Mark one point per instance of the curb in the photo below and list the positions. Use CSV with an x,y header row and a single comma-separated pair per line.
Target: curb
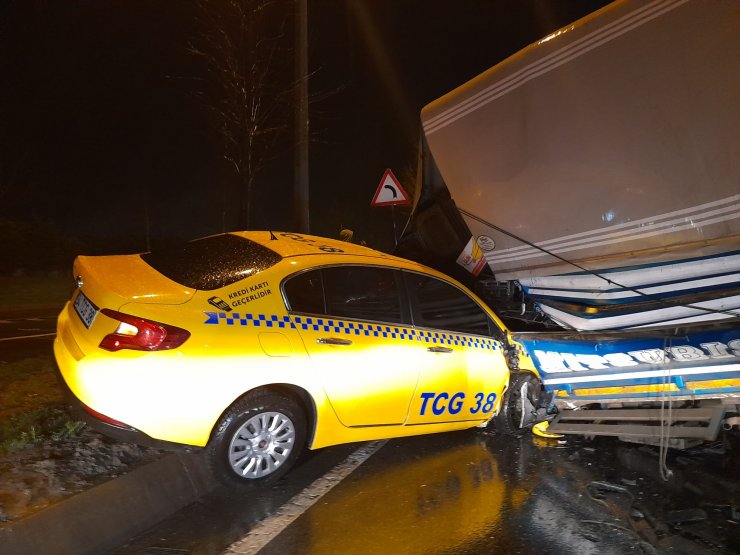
x,y
107,515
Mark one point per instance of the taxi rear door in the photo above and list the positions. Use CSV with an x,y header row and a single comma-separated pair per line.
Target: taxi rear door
x,y
353,322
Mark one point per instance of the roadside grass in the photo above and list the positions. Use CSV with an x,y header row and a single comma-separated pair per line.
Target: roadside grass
x,y
32,406
19,292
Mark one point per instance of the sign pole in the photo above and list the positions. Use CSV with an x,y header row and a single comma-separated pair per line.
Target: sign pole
x,y
393,218
390,193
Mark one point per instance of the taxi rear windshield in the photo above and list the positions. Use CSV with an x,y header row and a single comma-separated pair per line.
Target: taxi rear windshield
x,y
212,262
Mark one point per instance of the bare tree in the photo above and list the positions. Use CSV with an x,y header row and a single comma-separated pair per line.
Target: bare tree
x,y
248,86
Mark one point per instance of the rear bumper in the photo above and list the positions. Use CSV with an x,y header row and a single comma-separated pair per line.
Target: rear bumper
x,y
126,434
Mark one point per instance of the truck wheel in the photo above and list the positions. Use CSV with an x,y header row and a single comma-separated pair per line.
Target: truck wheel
x,y
519,404
257,440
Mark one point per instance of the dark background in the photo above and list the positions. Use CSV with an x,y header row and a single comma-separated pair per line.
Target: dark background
x,y
104,147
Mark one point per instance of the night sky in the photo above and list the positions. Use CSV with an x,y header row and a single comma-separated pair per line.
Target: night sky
x,y
101,130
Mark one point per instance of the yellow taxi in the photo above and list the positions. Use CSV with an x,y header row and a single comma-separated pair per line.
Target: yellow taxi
x,y
256,345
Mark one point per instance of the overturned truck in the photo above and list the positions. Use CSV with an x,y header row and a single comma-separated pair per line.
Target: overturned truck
x,y
590,184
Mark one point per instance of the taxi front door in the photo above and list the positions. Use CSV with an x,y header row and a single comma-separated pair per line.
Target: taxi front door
x,y
466,372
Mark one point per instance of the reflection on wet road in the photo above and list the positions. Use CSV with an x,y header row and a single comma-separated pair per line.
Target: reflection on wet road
x,y
460,493
479,492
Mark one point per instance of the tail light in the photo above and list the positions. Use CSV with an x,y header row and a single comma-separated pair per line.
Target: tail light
x,y
140,334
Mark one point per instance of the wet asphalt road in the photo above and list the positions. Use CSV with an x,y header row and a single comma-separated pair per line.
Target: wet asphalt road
x,y
478,492
26,333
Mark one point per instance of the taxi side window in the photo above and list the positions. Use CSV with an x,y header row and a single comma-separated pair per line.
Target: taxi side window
x,y
362,293
357,292
442,306
305,293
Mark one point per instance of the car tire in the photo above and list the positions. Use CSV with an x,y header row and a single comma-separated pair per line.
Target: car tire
x,y
257,440
512,419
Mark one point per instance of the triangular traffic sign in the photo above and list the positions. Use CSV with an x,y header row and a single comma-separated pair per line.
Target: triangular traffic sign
x,y
390,192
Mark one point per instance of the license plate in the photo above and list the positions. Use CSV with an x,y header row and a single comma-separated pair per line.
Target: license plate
x,y
85,309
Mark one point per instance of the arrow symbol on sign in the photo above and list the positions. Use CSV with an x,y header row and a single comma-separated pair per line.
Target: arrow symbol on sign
x,y
396,195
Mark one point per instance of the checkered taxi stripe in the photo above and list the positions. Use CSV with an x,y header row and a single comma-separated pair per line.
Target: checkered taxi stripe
x,y
349,328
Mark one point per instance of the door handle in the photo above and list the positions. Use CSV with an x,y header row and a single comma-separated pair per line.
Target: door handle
x,y
439,349
333,341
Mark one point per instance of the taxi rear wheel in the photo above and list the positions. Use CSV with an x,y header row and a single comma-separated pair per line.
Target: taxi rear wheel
x,y
257,440
520,402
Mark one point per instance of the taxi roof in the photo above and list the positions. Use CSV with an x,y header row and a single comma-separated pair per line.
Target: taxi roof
x,y
288,244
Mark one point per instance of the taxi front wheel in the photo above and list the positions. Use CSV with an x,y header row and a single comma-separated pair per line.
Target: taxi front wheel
x,y
519,406
257,440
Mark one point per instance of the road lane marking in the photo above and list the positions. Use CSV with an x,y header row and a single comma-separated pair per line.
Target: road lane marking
x,y
269,528
28,336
